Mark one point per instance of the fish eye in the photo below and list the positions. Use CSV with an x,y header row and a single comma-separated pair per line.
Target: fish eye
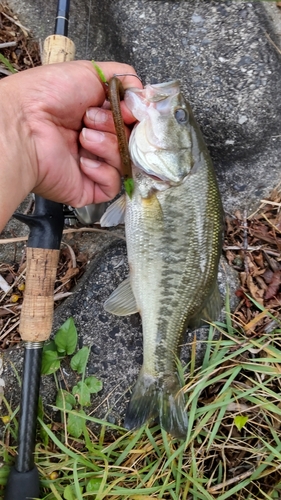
x,y
181,116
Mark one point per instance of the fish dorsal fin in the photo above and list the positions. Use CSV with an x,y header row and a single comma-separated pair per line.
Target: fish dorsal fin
x,y
115,213
209,313
122,301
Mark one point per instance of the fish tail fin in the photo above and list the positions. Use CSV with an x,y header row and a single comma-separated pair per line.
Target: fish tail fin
x,y
143,404
172,412
158,396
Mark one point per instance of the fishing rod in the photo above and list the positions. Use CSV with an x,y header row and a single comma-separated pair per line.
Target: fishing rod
x,y
42,254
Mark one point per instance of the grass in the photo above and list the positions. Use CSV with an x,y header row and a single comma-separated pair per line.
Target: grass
x,y
239,377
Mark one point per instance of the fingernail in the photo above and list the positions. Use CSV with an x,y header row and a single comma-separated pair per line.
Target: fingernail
x,y
92,135
97,115
86,162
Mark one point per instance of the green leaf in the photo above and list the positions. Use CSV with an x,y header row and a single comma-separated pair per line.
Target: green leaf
x,y
76,424
80,359
82,393
65,400
240,421
99,72
94,385
50,362
93,485
7,64
129,187
50,345
69,492
66,337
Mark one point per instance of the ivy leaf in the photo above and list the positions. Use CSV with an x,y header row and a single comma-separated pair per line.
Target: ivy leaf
x,y
66,337
65,400
50,362
82,393
94,385
93,485
240,421
49,346
79,360
76,424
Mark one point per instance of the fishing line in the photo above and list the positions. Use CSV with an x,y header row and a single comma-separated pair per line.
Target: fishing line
x,y
88,29
128,74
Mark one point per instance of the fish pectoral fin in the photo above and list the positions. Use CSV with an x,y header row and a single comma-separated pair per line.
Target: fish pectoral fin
x,y
122,301
210,312
158,396
115,213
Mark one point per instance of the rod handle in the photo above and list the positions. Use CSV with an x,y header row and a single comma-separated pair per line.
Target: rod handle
x,y
22,485
57,49
38,305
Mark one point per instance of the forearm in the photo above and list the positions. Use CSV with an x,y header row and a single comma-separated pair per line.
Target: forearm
x,y
16,170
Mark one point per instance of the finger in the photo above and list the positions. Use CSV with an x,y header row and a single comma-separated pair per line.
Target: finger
x,y
77,87
64,92
102,144
101,119
103,181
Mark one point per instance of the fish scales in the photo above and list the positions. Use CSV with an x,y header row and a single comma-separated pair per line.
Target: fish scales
x,y
182,282
173,228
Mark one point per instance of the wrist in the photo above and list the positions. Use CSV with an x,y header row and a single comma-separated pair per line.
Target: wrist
x,y
17,170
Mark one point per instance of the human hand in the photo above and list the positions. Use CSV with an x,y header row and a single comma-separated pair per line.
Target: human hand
x,y
48,105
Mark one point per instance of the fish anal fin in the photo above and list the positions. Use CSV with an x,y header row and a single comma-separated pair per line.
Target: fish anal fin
x,y
210,311
122,301
115,213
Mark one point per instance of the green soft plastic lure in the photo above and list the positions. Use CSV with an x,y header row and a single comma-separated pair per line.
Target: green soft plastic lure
x,y
99,72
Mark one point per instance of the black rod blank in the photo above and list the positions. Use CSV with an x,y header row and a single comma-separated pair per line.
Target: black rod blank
x,y
29,407
61,26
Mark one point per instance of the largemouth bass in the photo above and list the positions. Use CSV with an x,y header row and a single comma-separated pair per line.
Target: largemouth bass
x,y
173,224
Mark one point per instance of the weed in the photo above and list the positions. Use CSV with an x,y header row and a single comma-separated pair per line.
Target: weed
x,y
65,344
232,450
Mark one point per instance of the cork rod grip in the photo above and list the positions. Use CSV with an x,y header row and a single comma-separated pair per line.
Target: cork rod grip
x,y
38,305
57,49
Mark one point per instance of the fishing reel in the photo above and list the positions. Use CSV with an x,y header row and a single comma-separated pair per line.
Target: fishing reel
x,y
89,214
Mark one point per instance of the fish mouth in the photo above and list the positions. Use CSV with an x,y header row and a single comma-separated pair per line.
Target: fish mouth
x,y
137,100
157,91
148,173
155,178
159,178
